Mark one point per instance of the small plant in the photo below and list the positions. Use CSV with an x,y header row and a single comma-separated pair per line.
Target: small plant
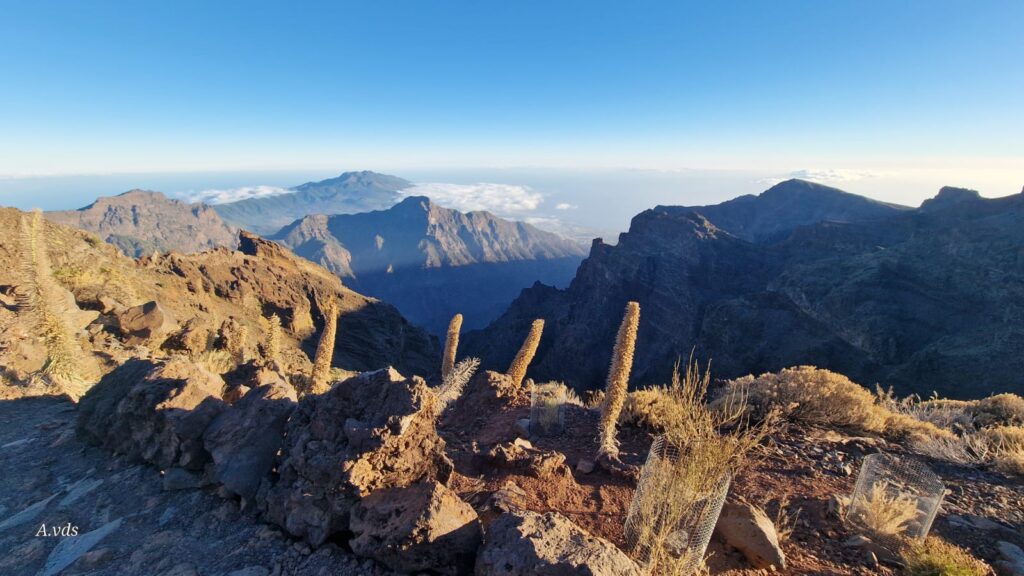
x,y
684,483
546,408
325,350
884,511
785,519
618,382
451,345
1007,448
455,382
936,557
41,297
272,343
517,370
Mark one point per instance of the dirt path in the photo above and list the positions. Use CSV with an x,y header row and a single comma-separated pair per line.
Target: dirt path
x,y
126,524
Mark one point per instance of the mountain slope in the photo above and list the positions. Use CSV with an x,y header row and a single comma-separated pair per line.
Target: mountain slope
x,y
348,193
140,222
200,293
926,299
787,205
432,262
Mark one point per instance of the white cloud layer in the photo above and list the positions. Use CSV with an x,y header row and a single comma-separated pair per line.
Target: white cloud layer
x,y
501,199
824,176
565,206
223,196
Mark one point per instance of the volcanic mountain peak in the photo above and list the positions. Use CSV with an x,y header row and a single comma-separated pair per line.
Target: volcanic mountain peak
x,y
950,196
141,221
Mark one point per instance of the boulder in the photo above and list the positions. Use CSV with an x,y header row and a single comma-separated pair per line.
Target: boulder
x,y
749,530
374,431
194,337
531,544
243,441
145,323
422,527
154,412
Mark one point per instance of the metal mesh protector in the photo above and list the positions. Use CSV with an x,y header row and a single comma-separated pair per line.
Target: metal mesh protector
x,y
667,522
895,499
547,409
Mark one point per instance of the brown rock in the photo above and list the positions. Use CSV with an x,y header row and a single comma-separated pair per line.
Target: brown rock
x,y
529,544
145,323
366,433
749,530
155,412
243,441
422,527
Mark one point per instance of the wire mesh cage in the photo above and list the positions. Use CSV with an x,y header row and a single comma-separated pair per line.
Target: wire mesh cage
x,y
895,500
670,520
547,409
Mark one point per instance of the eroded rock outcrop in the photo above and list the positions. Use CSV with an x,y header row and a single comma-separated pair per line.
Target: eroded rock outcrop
x,y
154,411
367,433
749,530
145,322
531,544
244,440
423,527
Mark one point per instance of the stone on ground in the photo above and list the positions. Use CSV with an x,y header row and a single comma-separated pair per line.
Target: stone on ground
x,y
530,544
749,530
425,526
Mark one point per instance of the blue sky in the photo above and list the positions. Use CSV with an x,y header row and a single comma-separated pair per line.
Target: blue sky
x,y
913,92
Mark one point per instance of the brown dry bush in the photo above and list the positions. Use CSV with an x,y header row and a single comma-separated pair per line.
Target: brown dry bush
x,y
936,557
1001,409
824,398
713,446
1007,448
883,512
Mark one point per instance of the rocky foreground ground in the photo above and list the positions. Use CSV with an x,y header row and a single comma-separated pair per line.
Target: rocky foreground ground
x,y
133,519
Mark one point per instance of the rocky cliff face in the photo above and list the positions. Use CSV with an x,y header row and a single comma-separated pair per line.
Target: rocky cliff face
x,y
140,222
432,262
926,299
348,193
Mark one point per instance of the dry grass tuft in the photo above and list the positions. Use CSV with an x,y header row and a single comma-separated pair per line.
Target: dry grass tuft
x,y
884,512
936,557
1007,448
713,445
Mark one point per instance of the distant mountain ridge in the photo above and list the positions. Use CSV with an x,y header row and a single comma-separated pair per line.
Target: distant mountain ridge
x,y
431,261
350,192
923,299
140,222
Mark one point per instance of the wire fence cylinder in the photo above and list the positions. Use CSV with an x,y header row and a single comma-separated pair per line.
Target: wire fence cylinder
x,y
669,524
547,409
895,500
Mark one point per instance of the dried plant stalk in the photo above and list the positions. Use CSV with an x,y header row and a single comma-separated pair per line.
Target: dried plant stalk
x,y
451,345
618,381
517,370
325,349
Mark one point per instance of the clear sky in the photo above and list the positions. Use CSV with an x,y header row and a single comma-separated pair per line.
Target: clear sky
x,y
892,91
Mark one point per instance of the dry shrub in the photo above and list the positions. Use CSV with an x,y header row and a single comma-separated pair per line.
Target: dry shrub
x,y
936,557
785,519
713,445
906,428
811,395
1001,409
884,512
1007,448
648,408
968,449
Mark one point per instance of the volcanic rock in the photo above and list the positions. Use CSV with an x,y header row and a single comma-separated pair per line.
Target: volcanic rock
x,y
367,433
155,412
422,527
145,322
529,544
